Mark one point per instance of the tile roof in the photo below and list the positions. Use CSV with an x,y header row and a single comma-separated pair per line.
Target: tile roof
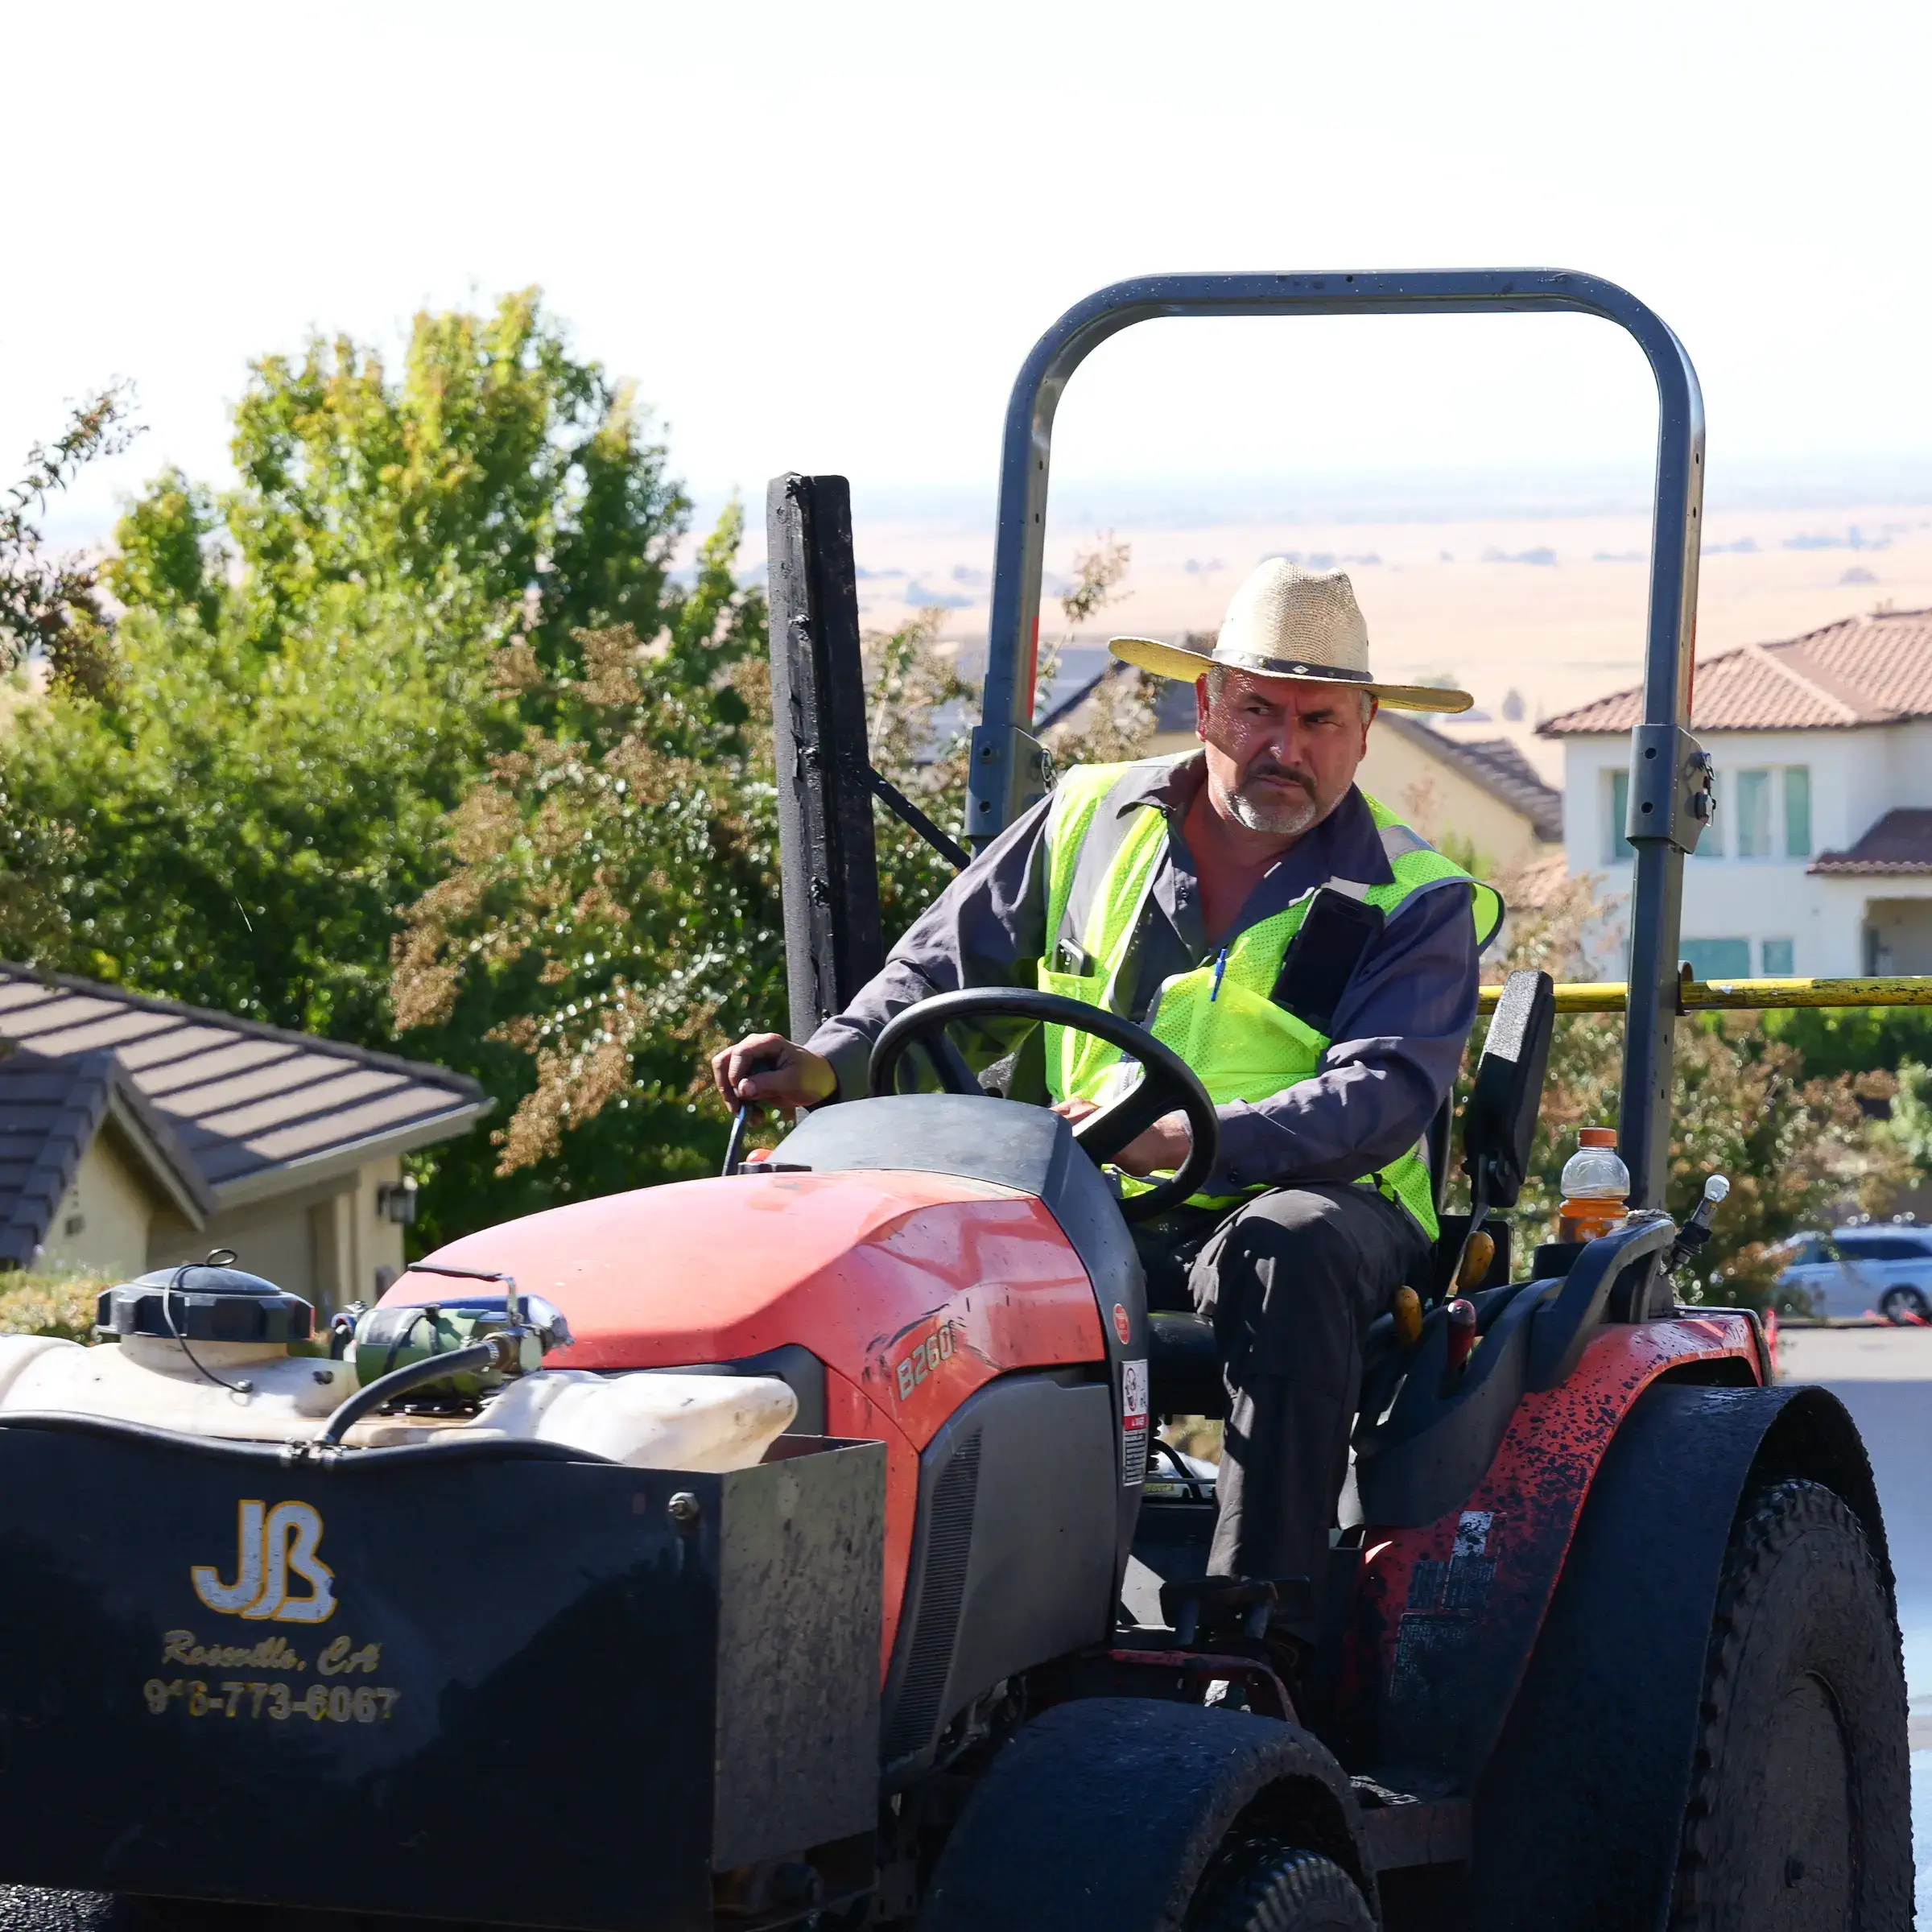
x,y
51,1109
1874,669
1494,764
256,1109
1900,842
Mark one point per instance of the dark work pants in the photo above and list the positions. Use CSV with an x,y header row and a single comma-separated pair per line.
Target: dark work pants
x,y
1292,1281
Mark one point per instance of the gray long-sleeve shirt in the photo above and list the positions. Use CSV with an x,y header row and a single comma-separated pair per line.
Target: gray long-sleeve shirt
x,y
1399,1029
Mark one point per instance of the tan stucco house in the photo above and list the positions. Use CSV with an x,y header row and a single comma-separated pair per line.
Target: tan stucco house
x,y
138,1132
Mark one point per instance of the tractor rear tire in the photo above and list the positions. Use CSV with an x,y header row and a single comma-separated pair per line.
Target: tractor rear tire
x,y
1798,1795
1265,1884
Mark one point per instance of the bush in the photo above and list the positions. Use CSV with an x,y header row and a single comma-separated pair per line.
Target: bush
x,y
1799,1147
62,1304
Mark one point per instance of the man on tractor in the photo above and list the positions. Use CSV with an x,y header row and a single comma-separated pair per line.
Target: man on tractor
x,y
1310,957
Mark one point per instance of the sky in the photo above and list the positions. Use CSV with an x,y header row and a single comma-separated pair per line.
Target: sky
x,y
824,237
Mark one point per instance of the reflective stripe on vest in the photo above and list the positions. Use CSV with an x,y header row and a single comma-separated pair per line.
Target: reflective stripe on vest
x,y
1220,1017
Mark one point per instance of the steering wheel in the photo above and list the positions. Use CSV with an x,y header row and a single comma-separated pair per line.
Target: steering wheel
x,y
1167,1082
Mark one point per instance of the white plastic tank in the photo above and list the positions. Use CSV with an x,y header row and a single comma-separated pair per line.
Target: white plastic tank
x,y
198,1381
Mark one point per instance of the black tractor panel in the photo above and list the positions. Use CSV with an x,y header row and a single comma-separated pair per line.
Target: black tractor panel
x,y
473,1687
1028,1149
1013,1554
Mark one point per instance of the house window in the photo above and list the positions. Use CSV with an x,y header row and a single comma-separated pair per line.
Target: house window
x,y
1776,956
1754,814
1717,959
1797,811
1617,846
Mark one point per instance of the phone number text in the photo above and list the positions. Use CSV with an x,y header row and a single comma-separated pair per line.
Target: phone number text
x,y
320,1703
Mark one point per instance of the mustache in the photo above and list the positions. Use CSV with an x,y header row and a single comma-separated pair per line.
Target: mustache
x,y
1265,767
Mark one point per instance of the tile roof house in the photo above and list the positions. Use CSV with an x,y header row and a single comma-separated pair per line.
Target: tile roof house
x,y
1820,859
136,1132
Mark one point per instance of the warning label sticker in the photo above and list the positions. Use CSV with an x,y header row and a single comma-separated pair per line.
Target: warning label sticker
x,y
1134,1423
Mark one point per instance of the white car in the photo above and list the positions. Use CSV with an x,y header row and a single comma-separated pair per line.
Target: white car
x,y
1873,1268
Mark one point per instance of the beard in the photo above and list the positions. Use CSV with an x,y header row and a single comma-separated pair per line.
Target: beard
x,y
1268,808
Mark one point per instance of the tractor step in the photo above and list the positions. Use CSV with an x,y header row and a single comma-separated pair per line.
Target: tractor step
x,y
1403,1830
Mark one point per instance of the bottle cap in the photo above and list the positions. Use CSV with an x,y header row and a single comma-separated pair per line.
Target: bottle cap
x,y
1596,1136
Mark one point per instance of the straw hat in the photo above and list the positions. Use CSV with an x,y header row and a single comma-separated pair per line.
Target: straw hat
x,y
1286,622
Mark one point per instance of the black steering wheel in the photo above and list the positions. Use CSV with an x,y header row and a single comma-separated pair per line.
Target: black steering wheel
x,y
1167,1082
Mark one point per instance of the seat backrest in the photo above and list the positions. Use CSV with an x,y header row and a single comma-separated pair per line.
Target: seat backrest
x,y
1499,1121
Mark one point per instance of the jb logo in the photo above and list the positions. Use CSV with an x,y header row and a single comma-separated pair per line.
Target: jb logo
x,y
274,1547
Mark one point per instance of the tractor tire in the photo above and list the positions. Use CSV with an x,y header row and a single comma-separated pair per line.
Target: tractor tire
x,y
1798,1801
1265,1884
1904,1305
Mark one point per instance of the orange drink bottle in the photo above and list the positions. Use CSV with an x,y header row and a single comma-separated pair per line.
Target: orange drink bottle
x,y
1596,1187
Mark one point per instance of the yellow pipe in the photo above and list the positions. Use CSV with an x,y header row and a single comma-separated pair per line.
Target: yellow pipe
x,y
1724,996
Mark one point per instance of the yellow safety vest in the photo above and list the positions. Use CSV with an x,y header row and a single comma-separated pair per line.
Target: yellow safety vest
x,y
1221,1018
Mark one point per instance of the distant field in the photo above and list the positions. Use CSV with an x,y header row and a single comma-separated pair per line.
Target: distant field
x,y
1551,608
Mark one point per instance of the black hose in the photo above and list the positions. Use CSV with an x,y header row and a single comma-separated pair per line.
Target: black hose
x,y
412,1375
453,1445
734,1146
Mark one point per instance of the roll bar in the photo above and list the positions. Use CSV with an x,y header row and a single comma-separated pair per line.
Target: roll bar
x,y
1669,774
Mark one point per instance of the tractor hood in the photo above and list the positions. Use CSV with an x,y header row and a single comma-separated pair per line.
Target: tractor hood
x,y
856,1267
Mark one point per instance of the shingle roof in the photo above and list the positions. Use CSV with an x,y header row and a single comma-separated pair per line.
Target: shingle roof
x,y
255,1107
1900,842
1494,764
51,1110
1874,669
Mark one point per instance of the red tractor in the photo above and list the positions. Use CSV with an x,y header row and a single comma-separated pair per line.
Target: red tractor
x,y
1609,1632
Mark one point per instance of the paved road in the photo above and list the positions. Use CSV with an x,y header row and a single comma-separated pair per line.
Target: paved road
x,y
1884,1376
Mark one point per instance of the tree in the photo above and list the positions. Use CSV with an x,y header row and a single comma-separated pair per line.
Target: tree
x,y
33,921
51,605
612,907
243,827
1794,1145
507,486
614,915
303,690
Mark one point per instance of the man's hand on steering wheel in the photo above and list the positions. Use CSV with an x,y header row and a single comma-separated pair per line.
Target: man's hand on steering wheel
x,y
1161,1149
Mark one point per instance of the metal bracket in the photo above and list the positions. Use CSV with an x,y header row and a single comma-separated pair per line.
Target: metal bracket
x,y
1672,788
902,807
996,750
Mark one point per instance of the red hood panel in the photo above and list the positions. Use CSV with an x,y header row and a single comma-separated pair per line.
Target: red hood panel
x,y
851,1265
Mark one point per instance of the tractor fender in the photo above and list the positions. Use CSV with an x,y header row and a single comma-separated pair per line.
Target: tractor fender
x,y
1446,1616
1579,1812
1104,1812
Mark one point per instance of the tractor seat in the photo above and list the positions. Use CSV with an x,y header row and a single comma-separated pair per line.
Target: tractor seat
x,y
1183,1366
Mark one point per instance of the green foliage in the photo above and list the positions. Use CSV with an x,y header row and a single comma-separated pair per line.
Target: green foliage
x,y
303,691
503,485
169,557
612,906
1854,1039
60,1305
1798,1147
614,913
51,604
245,824
1911,1122
33,854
